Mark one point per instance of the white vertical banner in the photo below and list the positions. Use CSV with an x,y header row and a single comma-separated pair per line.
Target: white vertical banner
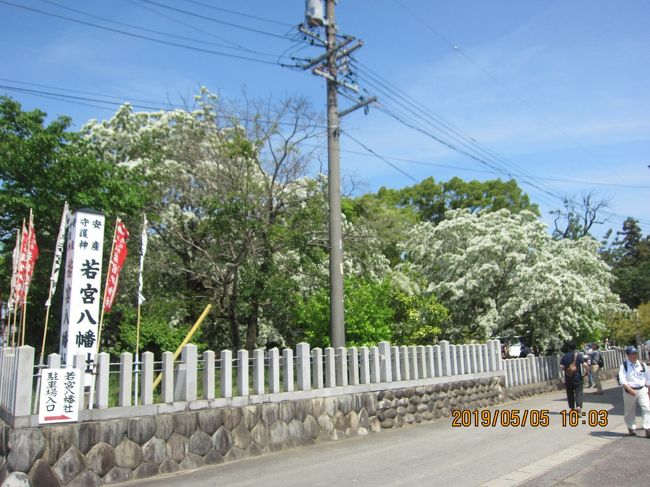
x,y
82,297
143,251
58,253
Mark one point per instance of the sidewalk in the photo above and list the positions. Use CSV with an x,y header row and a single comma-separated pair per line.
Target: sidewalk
x,y
624,460
437,454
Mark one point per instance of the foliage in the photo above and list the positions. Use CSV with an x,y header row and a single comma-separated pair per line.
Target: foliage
x,y
501,274
629,255
41,166
375,311
632,326
431,201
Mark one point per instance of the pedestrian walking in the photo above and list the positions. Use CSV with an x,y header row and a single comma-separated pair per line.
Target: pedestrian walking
x,y
634,376
596,362
572,363
588,350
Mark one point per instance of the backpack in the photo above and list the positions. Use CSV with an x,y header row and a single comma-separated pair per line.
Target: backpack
x,y
601,361
625,367
572,368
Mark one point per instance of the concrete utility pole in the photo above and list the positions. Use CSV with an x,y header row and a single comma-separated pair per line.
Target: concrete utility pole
x,y
327,66
337,323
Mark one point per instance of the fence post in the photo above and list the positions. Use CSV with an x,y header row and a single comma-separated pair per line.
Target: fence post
x,y
242,372
497,354
461,358
437,361
341,367
317,368
364,359
375,365
397,370
208,375
53,361
304,369
23,379
287,358
126,379
167,383
413,356
431,361
330,367
479,358
534,375
226,373
146,379
474,368
422,362
386,372
405,367
189,357
353,366
445,356
274,371
101,387
258,371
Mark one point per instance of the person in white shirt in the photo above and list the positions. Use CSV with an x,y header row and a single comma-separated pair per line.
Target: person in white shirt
x,y
634,376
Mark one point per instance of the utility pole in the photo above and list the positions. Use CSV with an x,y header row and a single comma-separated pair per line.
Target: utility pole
x,y
327,66
337,323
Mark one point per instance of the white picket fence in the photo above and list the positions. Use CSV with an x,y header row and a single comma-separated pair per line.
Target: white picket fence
x,y
243,374
532,369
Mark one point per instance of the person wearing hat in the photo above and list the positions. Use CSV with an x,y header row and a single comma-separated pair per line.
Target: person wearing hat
x,y
634,376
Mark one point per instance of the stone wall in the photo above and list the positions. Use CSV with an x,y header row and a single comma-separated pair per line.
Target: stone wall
x,y
105,452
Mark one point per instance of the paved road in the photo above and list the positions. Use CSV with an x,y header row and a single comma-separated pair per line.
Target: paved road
x,y
437,454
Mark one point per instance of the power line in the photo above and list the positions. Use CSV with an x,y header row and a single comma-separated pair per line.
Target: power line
x,y
496,173
154,31
526,178
86,100
513,93
188,25
215,20
415,107
394,166
140,36
241,14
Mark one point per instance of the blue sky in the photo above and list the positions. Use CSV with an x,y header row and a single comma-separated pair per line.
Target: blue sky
x,y
559,89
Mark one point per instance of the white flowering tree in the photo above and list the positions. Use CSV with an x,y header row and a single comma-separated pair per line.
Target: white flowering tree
x,y
502,274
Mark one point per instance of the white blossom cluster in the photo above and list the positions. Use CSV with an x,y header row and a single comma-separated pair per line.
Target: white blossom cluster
x,y
502,274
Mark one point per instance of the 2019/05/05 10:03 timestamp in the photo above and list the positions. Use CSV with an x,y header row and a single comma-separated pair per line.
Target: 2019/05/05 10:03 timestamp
x,y
536,418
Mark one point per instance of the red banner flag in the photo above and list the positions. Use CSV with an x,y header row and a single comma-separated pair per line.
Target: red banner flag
x,y
22,267
115,266
30,256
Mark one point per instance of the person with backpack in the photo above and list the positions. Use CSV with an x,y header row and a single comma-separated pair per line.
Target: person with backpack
x,y
572,363
596,362
634,376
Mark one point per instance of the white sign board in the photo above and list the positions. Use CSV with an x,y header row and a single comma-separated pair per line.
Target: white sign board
x,y
60,396
82,296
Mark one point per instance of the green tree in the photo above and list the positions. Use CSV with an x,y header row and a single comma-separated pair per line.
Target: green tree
x,y
501,274
42,165
629,256
375,311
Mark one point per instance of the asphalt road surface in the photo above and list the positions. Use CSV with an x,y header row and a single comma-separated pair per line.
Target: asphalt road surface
x,y
436,453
